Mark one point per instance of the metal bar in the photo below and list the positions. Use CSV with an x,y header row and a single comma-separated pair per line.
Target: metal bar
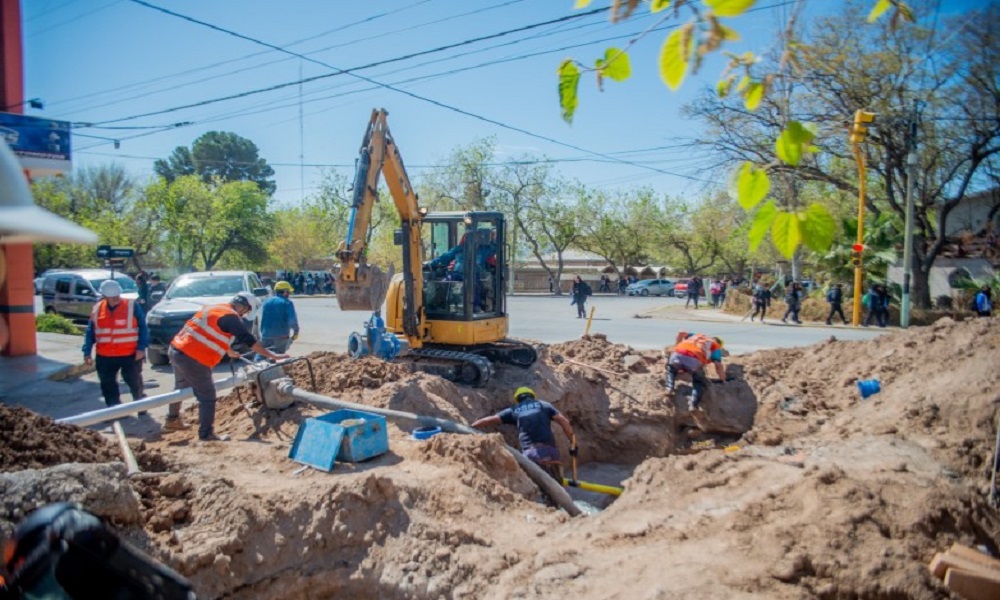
x,y
130,462
911,175
124,410
859,156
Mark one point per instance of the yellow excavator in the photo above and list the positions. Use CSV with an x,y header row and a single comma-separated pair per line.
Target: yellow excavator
x,y
446,312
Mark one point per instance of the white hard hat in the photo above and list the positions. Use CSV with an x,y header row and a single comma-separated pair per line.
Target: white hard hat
x,y
246,299
111,288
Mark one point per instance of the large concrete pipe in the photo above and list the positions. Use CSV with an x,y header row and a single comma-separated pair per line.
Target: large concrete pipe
x,y
124,410
551,487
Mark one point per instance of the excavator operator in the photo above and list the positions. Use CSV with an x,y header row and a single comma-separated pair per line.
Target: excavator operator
x,y
454,259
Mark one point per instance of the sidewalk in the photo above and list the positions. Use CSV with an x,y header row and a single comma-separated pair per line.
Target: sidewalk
x,y
57,354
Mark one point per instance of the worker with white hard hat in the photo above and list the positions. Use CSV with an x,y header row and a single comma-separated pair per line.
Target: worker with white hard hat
x,y
200,345
117,327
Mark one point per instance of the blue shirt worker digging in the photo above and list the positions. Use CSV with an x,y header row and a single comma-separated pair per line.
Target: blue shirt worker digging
x,y
533,418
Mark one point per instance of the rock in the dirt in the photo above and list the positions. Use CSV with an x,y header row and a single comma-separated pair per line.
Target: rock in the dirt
x,y
103,489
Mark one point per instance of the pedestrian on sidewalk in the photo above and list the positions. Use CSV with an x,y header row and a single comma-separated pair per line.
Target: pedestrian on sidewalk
x,y
693,291
878,305
117,327
983,302
761,301
199,346
581,289
793,300
835,297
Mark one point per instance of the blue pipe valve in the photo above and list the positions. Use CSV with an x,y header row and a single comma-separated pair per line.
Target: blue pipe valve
x,y
375,341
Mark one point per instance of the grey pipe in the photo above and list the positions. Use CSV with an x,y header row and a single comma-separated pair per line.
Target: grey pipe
x,y
124,410
548,485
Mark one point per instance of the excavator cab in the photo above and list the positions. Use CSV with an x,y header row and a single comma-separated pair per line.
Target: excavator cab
x,y
455,287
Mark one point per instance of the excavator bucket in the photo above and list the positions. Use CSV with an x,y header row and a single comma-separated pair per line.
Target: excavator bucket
x,y
366,292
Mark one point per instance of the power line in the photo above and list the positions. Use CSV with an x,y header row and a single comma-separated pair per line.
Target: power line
x,y
147,82
75,19
337,71
414,95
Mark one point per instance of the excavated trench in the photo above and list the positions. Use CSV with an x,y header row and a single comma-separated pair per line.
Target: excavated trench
x,y
454,516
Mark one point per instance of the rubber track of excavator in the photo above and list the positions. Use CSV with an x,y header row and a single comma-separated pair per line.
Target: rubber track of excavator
x,y
432,360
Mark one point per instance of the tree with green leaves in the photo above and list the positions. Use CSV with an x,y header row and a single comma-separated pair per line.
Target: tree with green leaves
x,y
620,227
202,223
947,93
219,155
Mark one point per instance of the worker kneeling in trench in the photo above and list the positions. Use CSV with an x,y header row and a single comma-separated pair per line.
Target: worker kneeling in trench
x,y
533,418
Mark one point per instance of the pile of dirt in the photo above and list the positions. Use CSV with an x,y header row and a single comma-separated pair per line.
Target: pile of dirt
x,y
799,488
31,441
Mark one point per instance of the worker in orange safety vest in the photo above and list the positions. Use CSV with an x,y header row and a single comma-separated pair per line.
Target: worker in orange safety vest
x,y
117,327
200,345
690,354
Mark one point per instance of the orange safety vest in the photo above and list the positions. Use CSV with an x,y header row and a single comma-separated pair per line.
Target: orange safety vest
x,y
201,339
117,333
698,346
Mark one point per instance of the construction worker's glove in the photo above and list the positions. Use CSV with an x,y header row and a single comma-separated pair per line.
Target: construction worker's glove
x,y
574,451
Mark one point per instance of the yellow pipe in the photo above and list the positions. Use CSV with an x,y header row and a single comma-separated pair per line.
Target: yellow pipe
x,y
589,320
859,156
593,487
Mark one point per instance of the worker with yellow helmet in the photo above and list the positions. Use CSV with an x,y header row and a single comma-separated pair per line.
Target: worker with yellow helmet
x,y
690,354
279,326
533,418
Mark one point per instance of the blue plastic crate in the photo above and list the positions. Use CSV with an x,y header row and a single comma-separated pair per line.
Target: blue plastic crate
x,y
363,440
317,444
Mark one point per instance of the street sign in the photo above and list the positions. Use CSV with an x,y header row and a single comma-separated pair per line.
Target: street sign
x,y
114,262
115,252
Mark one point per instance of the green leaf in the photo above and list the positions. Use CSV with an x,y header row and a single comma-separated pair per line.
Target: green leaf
x,y
569,80
722,87
581,4
673,60
761,224
616,64
752,186
729,34
753,95
657,5
793,141
729,8
786,232
878,10
818,228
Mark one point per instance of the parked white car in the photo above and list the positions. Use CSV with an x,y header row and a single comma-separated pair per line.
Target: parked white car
x,y
186,295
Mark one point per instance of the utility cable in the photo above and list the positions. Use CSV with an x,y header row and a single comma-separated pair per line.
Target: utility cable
x,y
414,95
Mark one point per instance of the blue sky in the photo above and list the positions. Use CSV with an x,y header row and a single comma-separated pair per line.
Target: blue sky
x,y
104,61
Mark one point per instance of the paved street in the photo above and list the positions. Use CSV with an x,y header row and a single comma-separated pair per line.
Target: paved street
x,y
551,319
644,323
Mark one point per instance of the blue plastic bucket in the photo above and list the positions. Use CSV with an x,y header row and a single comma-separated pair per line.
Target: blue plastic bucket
x,y
869,387
423,433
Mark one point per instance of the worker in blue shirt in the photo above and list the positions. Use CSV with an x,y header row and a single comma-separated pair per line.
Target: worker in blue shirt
x,y
279,326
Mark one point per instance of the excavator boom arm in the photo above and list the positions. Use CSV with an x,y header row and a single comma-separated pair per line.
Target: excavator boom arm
x,y
361,286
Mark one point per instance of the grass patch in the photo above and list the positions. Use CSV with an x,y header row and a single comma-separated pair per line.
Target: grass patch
x,y
48,323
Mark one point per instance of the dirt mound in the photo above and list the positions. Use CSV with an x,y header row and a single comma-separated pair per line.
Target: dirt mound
x,y
824,494
31,441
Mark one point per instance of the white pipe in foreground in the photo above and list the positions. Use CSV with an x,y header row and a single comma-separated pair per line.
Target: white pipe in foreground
x,y
124,410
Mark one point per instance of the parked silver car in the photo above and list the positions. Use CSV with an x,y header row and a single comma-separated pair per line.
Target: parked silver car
x,y
74,293
655,287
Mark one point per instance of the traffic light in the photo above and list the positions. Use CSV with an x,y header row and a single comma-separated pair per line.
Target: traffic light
x,y
856,251
859,131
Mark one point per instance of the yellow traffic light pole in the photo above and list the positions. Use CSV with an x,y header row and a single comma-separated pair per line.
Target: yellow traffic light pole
x,y
857,138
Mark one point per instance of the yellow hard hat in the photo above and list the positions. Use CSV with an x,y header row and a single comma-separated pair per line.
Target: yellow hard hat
x,y
721,343
283,286
523,391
